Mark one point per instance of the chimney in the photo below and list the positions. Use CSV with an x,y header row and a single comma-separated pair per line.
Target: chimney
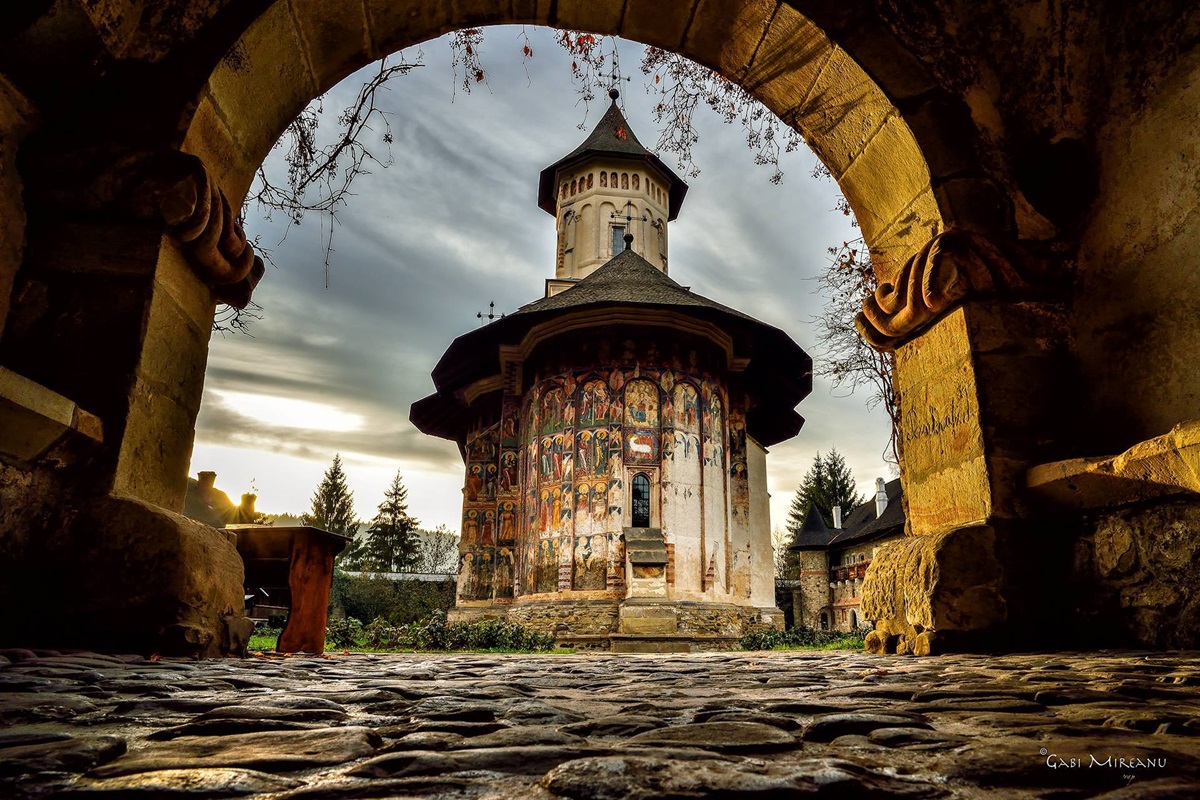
x,y
837,518
207,479
247,506
880,498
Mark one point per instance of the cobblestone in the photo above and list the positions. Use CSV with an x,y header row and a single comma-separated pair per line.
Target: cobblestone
x,y
1112,725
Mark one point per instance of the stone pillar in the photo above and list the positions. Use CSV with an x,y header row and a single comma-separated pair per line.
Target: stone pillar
x,y
113,309
983,398
983,381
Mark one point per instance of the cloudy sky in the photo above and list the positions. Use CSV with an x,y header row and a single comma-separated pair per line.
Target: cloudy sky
x,y
452,225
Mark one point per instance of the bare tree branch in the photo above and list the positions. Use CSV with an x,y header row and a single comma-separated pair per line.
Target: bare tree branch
x,y
842,354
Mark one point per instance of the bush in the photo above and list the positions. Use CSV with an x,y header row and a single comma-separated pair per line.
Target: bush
x,y
770,638
397,602
435,633
343,632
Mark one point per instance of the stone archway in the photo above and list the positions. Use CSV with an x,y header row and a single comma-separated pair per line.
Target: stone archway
x,y
925,125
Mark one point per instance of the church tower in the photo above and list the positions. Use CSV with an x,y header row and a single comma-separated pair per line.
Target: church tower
x,y
614,432
608,188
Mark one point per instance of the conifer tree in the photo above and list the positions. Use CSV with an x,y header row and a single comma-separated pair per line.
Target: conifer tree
x,y
392,543
333,503
827,483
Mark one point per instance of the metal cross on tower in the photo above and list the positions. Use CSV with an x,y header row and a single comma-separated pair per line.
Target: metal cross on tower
x,y
491,315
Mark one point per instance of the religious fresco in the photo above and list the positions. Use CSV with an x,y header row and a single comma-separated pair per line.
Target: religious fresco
x,y
505,562
642,447
545,495
507,517
547,566
555,458
591,562
509,421
641,404
739,479
643,444
554,411
596,406
714,432
509,481
687,408
482,567
470,527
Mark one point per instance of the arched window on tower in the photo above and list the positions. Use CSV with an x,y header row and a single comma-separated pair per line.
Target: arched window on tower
x,y
591,177
640,501
603,180
574,187
624,180
637,182
564,190
612,179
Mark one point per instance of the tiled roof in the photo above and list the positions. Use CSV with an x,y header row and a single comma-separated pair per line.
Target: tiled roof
x,y
779,371
628,279
611,137
813,533
859,525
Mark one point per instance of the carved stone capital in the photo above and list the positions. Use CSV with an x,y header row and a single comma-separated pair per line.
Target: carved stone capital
x,y
200,216
167,187
954,267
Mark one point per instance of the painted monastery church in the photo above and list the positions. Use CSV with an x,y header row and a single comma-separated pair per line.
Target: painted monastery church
x,y
615,431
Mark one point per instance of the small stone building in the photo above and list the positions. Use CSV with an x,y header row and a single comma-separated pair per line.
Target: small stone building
x,y
834,561
615,431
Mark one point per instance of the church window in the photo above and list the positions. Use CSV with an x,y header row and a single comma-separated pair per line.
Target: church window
x,y
640,501
603,180
574,186
624,180
637,181
618,239
590,178
564,190
612,179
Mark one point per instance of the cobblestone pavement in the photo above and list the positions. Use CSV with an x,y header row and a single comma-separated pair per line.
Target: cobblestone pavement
x,y
602,727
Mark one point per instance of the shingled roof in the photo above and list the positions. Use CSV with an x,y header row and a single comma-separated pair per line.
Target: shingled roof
x,y
611,137
628,278
814,533
860,525
780,372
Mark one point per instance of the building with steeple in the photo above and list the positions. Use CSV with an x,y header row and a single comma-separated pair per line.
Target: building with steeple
x,y
615,431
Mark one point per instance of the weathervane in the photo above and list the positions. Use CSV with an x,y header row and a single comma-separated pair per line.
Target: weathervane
x,y
491,315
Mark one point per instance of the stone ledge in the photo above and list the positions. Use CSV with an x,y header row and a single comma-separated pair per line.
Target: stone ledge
x,y
1159,467
34,419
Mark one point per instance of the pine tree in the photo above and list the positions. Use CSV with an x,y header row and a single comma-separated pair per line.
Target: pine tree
x,y
827,483
806,492
333,503
392,543
840,489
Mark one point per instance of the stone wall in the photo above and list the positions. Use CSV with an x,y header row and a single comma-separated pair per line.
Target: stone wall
x,y
1137,576
1138,292
566,618
814,588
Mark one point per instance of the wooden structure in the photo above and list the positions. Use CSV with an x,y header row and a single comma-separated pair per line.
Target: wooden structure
x,y
301,558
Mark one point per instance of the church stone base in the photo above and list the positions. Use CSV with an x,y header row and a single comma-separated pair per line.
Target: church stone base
x,y
638,625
